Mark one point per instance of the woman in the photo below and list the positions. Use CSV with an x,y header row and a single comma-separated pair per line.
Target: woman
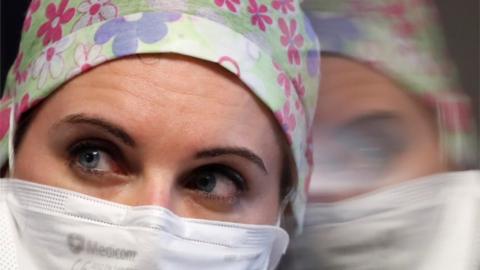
x,y
155,134
388,191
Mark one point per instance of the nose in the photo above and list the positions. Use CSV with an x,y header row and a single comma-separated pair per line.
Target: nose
x,y
157,189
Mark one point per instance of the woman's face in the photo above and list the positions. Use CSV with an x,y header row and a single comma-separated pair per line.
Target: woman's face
x,y
369,133
159,130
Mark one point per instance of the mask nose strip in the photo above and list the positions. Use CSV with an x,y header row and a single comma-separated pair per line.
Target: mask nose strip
x,y
83,208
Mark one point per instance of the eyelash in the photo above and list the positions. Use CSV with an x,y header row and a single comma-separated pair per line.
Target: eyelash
x,y
97,144
236,178
115,154
212,200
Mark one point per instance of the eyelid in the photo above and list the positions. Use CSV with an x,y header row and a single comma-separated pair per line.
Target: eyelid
x,y
101,144
384,128
241,152
97,123
375,118
109,148
237,178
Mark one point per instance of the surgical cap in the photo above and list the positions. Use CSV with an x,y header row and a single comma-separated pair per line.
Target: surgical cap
x,y
401,39
267,44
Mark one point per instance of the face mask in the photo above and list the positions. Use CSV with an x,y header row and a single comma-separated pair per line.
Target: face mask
x,y
424,224
42,227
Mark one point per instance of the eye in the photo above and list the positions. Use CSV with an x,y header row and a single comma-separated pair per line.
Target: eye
x,y
364,148
216,182
94,157
367,151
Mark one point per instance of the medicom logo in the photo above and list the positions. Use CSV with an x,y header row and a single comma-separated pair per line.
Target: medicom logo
x,y
77,244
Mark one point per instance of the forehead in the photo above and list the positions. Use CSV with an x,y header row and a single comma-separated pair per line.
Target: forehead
x,y
169,98
359,89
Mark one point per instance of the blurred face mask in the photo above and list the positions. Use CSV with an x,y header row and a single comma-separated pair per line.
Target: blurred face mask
x,y
42,227
424,224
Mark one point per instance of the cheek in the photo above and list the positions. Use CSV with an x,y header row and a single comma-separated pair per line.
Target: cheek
x,y
36,160
33,160
423,156
262,211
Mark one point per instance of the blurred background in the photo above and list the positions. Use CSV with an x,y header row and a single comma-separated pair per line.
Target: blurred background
x,y
460,20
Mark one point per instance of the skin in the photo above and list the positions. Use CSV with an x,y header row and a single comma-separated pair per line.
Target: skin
x,y
177,117
369,133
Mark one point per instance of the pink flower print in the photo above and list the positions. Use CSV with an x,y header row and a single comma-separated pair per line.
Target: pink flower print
x,y
359,7
403,26
86,57
291,40
283,80
231,4
309,157
94,11
405,29
230,64
259,16
4,117
50,62
394,10
284,5
287,120
309,150
5,113
52,29
298,84
299,106
28,18
456,114
20,76
22,107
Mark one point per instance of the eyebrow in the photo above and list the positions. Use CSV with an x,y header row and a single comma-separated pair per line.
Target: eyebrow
x,y
104,124
236,151
374,117
119,133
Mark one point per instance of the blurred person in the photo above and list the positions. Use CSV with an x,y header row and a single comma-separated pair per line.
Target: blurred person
x,y
390,187
155,134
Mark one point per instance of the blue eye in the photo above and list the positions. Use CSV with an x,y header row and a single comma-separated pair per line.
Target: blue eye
x,y
205,182
94,157
216,181
89,158
363,148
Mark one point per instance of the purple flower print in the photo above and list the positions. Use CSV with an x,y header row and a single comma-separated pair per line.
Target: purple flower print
x,y
313,62
334,32
150,28
313,55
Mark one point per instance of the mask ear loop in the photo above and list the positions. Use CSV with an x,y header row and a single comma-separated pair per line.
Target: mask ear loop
x,y
11,140
283,205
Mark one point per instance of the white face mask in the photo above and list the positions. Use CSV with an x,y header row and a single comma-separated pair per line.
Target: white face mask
x,y
432,223
42,227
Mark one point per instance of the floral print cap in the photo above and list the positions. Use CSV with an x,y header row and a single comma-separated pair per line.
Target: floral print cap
x,y
267,44
403,40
